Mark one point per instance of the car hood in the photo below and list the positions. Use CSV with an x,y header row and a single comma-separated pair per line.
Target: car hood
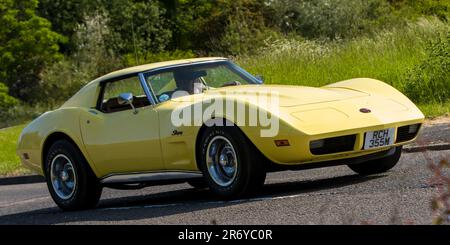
x,y
323,110
290,96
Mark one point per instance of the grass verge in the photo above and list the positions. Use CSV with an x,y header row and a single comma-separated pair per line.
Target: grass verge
x,y
9,161
389,56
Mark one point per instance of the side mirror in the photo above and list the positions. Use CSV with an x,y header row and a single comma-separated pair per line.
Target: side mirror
x,y
260,78
126,99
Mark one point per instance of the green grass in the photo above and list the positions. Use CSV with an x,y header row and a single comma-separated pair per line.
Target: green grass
x,y
387,57
9,161
434,110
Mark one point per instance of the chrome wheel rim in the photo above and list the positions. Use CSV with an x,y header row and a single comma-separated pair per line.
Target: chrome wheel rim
x,y
63,176
221,161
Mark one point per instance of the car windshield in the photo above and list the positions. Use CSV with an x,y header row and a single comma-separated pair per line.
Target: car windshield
x,y
194,79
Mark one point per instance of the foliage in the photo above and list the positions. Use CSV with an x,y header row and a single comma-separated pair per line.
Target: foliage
x,y
6,101
92,59
137,26
147,58
289,41
65,16
417,8
27,45
20,113
219,27
386,56
432,75
337,19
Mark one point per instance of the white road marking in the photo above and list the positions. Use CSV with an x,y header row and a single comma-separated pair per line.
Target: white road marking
x,y
209,203
4,205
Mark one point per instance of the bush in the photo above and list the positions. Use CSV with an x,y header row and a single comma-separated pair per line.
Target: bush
x,y
418,8
429,81
92,58
27,45
333,19
137,26
6,101
220,27
21,113
146,58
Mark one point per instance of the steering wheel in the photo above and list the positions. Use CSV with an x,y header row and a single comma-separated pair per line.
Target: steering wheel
x,y
165,96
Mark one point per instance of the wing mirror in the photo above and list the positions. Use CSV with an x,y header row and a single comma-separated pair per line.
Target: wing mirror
x,y
260,78
127,99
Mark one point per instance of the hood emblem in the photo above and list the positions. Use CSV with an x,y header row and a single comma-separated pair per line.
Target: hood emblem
x,y
365,110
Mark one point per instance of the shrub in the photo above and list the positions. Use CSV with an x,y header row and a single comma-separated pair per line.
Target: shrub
x,y
429,81
146,58
333,19
92,58
6,101
21,113
220,27
27,45
137,26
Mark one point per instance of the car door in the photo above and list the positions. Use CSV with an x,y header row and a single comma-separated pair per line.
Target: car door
x,y
177,143
120,138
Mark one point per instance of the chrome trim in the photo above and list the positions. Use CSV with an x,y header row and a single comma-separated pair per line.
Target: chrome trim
x,y
128,178
185,64
63,177
221,161
147,91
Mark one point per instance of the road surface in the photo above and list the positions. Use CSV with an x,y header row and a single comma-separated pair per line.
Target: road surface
x,y
320,196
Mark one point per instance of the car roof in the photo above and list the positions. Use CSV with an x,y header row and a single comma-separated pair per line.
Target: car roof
x,y
87,96
148,67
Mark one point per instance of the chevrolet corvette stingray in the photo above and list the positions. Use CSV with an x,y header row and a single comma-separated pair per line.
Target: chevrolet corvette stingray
x,y
119,131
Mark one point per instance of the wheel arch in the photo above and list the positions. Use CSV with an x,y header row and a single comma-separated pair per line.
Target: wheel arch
x,y
51,139
225,122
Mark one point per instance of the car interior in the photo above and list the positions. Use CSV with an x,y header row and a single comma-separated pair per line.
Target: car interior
x,y
112,105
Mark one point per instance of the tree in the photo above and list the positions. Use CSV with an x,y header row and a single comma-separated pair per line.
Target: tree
x,y
65,16
218,27
6,101
27,45
138,26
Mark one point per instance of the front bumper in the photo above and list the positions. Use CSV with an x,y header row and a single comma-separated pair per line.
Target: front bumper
x,y
273,167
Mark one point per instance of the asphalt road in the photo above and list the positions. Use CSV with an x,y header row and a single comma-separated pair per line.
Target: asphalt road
x,y
320,196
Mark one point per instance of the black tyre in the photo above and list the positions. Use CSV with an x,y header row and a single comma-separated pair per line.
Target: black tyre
x,y
198,183
70,180
378,165
230,163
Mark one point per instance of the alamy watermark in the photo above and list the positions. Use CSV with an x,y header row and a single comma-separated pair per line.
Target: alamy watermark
x,y
245,108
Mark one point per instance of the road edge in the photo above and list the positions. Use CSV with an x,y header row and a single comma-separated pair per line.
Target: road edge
x,y
20,180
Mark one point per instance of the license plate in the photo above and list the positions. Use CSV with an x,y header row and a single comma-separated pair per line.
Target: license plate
x,y
379,138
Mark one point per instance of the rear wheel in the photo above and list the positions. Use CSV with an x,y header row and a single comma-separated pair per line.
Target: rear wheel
x,y
70,180
378,165
230,163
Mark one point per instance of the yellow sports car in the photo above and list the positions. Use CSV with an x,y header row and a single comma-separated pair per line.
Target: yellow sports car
x,y
210,123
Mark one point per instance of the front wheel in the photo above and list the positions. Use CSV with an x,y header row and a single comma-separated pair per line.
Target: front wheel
x,y
377,166
70,180
230,163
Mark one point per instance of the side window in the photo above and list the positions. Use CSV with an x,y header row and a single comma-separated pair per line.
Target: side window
x,y
221,75
112,90
162,83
